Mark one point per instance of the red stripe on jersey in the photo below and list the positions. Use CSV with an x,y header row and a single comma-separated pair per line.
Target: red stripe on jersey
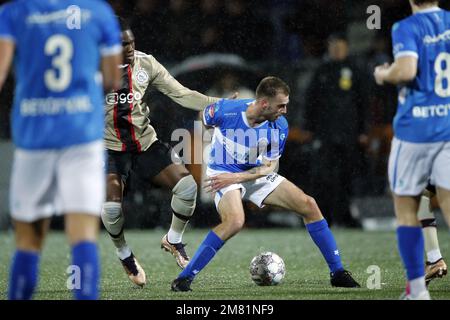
x,y
130,120
116,127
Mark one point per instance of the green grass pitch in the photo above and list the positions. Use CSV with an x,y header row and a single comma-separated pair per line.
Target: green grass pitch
x,y
227,276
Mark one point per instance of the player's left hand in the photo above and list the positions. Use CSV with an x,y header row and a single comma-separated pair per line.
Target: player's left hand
x,y
215,183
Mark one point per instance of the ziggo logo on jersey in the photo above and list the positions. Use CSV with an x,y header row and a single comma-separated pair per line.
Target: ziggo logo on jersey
x,y
114,97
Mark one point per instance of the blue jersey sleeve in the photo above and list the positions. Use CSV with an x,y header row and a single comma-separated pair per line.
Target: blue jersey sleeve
x,y
276,148
404,40
213,114
111,40
7,13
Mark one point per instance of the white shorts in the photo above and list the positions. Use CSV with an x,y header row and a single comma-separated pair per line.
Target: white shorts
x,y
47,182
412,165
255,191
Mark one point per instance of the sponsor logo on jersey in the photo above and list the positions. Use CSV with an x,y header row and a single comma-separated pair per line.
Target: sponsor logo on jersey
x,y
445,36
212,110
441,110
114,97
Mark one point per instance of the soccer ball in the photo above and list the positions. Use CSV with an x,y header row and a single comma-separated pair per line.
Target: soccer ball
x,y
267,269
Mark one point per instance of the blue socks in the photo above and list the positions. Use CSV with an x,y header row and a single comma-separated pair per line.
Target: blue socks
x,y
25,270
324,239
85,256
24,275
203,255
411,247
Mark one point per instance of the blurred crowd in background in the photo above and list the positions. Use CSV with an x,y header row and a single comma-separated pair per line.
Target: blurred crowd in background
x,y
339,119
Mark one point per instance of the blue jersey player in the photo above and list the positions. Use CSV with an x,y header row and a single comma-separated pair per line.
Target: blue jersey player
x,y
421,145
249,138
58,47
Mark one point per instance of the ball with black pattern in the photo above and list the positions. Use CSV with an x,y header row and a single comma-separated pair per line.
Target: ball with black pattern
x,y
267,269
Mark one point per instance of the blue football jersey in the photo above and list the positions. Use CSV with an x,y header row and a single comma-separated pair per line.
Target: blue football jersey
x,y
59,96
236,146
423,105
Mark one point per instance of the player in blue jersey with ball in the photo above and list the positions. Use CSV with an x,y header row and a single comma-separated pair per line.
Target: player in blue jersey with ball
x,y
249,138
58,47
421,146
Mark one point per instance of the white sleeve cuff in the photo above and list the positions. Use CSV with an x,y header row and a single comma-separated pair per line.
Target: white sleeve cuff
x,y
406,54
272,159
111,51
204,118
7,37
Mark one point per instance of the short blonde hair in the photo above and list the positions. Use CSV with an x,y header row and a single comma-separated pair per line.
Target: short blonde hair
x,y
271,86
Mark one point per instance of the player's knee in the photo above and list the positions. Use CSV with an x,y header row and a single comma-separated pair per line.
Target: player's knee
x,y
235,225
113,198
112,217
30,237
311,203
184,196
308,207
114,191
29,244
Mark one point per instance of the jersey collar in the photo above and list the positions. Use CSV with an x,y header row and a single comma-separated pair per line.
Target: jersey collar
x,y
244,118
428,10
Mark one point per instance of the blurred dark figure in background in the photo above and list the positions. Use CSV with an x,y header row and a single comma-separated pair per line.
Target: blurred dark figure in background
x,y
381,110
149,27
247,34
314,21
210,34
179,19
335,118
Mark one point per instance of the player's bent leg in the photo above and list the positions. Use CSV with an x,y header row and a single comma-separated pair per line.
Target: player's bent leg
x,y
113,219
290,197
405,210
184,196
443,196
82,232
112,215
25,262
411,243
232,215
287,195
435,266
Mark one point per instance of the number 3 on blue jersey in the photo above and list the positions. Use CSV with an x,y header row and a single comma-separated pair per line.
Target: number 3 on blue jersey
x,y
60,47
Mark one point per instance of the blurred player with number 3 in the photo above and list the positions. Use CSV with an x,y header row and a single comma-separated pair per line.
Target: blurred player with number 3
x,y
57,129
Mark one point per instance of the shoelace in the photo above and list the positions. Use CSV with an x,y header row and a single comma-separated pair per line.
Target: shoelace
x,y
130,265
343,272
348,273
180,248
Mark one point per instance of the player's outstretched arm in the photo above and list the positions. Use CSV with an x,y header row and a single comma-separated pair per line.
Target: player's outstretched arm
x,y
111,72
164,82
6,56
403,70
223,180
